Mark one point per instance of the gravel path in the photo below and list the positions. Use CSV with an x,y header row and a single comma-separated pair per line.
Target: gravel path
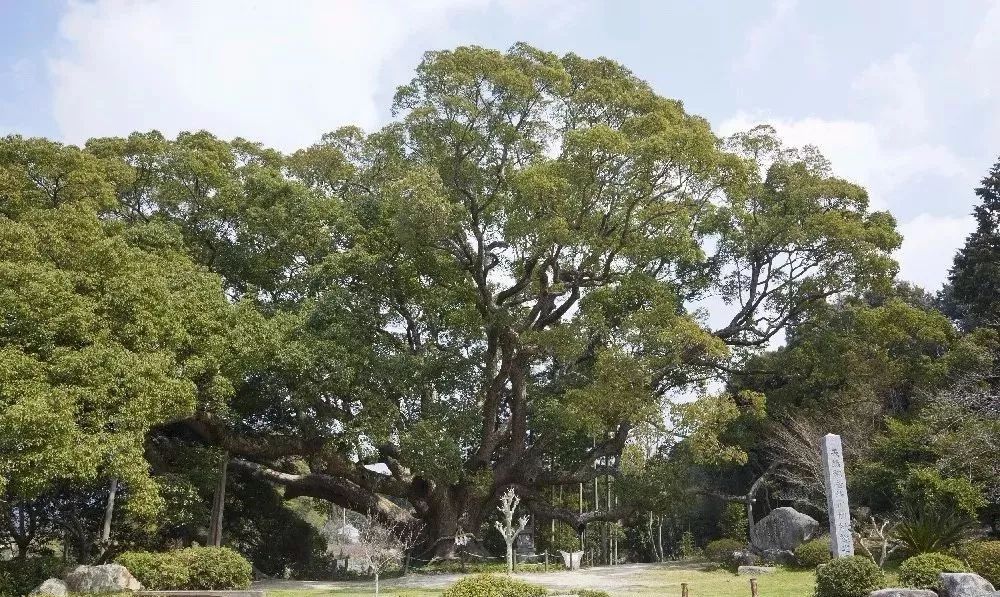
x,y
602,577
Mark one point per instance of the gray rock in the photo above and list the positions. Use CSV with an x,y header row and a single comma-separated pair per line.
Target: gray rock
x,y
755,570
903,593
778,556
745,557
784,529
107,578
52,586
965,584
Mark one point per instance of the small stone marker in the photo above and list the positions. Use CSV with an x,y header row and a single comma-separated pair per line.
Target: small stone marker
x,y
841,541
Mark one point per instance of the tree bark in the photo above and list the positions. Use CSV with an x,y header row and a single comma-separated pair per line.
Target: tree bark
x,y
109,512
219,504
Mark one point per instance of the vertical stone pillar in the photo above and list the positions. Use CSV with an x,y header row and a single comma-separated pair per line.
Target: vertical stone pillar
x,y
841,540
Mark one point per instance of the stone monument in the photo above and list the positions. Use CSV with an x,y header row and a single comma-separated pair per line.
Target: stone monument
x,y
841,540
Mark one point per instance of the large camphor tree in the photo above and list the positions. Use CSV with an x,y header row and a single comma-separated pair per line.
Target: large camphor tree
x,y
499,287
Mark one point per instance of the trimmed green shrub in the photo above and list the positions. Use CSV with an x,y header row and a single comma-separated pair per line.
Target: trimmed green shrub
x,y
984,559
853,576
813,553
488,585
721,551
194,568
157,571
217,568
19,577
921,572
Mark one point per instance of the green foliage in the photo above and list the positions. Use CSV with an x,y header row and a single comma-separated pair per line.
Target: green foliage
x,y
721,551
984,559
975,276
813,553
109,330
927,491
852,576
922,571
930,532
193,568
687,548
590,593
488,585
733,523
938,513
19,577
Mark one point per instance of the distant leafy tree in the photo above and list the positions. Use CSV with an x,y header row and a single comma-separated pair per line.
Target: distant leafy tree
x,y
974,280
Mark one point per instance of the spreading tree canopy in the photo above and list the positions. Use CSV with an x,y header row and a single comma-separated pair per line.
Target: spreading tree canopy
x,y
493,291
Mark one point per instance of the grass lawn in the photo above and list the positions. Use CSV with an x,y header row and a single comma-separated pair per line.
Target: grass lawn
x,y
647,581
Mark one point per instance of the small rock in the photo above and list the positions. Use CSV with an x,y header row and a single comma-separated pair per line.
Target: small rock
x,y
778,556
903,593
745,557
107,578
52,586
752,570
965,584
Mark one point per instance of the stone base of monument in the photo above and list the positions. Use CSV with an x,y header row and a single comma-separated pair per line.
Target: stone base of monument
x,y
903,593
755,570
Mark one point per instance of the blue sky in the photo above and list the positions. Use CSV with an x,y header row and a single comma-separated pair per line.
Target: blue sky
x,y
902,96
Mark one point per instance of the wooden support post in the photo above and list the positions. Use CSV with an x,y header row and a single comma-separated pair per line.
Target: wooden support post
x,y
684,589
753,588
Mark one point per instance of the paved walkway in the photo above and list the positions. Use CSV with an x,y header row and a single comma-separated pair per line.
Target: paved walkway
x,y
602,577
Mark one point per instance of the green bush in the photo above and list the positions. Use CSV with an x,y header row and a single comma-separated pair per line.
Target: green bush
x,y
488,585
813,553
984,559
19,577
157,571
853,576
733,522
721,551
591,593
687,548
217,568
922,571
194,568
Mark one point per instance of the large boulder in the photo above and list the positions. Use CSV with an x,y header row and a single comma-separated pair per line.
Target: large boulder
x,y
107,578
965,584
783,529
52,586
903,593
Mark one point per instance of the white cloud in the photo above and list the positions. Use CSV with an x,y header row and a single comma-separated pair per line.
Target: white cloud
x,y
859,153
895,87
983,71
984,52
280,73
929,245
765,36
